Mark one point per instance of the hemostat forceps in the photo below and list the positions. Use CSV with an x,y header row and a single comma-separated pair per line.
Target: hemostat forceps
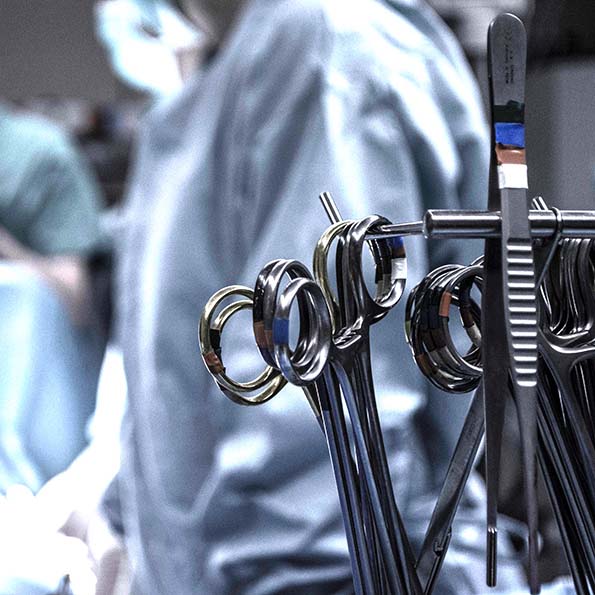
x,y
348,383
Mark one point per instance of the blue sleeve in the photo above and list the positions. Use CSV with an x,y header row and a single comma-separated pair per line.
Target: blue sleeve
x,y
337,131
65,220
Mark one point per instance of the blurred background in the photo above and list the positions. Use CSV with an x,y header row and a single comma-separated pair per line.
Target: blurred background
x,y
52,64
561,75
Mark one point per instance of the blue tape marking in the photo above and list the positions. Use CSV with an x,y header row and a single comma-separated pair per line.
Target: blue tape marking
x,y
280,331
397,242
508,133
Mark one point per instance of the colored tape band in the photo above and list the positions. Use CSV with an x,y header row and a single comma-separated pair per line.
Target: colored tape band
x,y
397,241
445,301
213,362
280,331
511,134
259,334
512,175
398,268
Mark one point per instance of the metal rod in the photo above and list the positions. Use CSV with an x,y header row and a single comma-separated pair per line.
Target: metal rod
x,y
411,228
485,224
330,206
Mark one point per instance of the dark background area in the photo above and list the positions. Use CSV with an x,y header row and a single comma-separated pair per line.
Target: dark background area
x,y
49,49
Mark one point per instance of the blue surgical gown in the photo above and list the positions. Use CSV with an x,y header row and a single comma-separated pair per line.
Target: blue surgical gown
x,y
372,101
49,202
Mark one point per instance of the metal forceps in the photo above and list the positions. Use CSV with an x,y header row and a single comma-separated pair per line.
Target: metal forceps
x,y
351,365
346,383
510,353
382,561
303,366
567,349
428,335
315,330
448,284
565,392
427,327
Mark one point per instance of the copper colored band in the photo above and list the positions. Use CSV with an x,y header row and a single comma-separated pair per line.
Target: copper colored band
x,y
259,334
213,362
445,304
507,154
268,338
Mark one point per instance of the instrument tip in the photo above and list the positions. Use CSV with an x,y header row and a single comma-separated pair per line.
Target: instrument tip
x,y
492,555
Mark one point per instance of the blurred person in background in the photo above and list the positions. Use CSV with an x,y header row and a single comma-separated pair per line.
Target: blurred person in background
x,y
371,100
50,351
50,346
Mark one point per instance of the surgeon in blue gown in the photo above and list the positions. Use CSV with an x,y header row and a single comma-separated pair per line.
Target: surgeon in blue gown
x,y
370,100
